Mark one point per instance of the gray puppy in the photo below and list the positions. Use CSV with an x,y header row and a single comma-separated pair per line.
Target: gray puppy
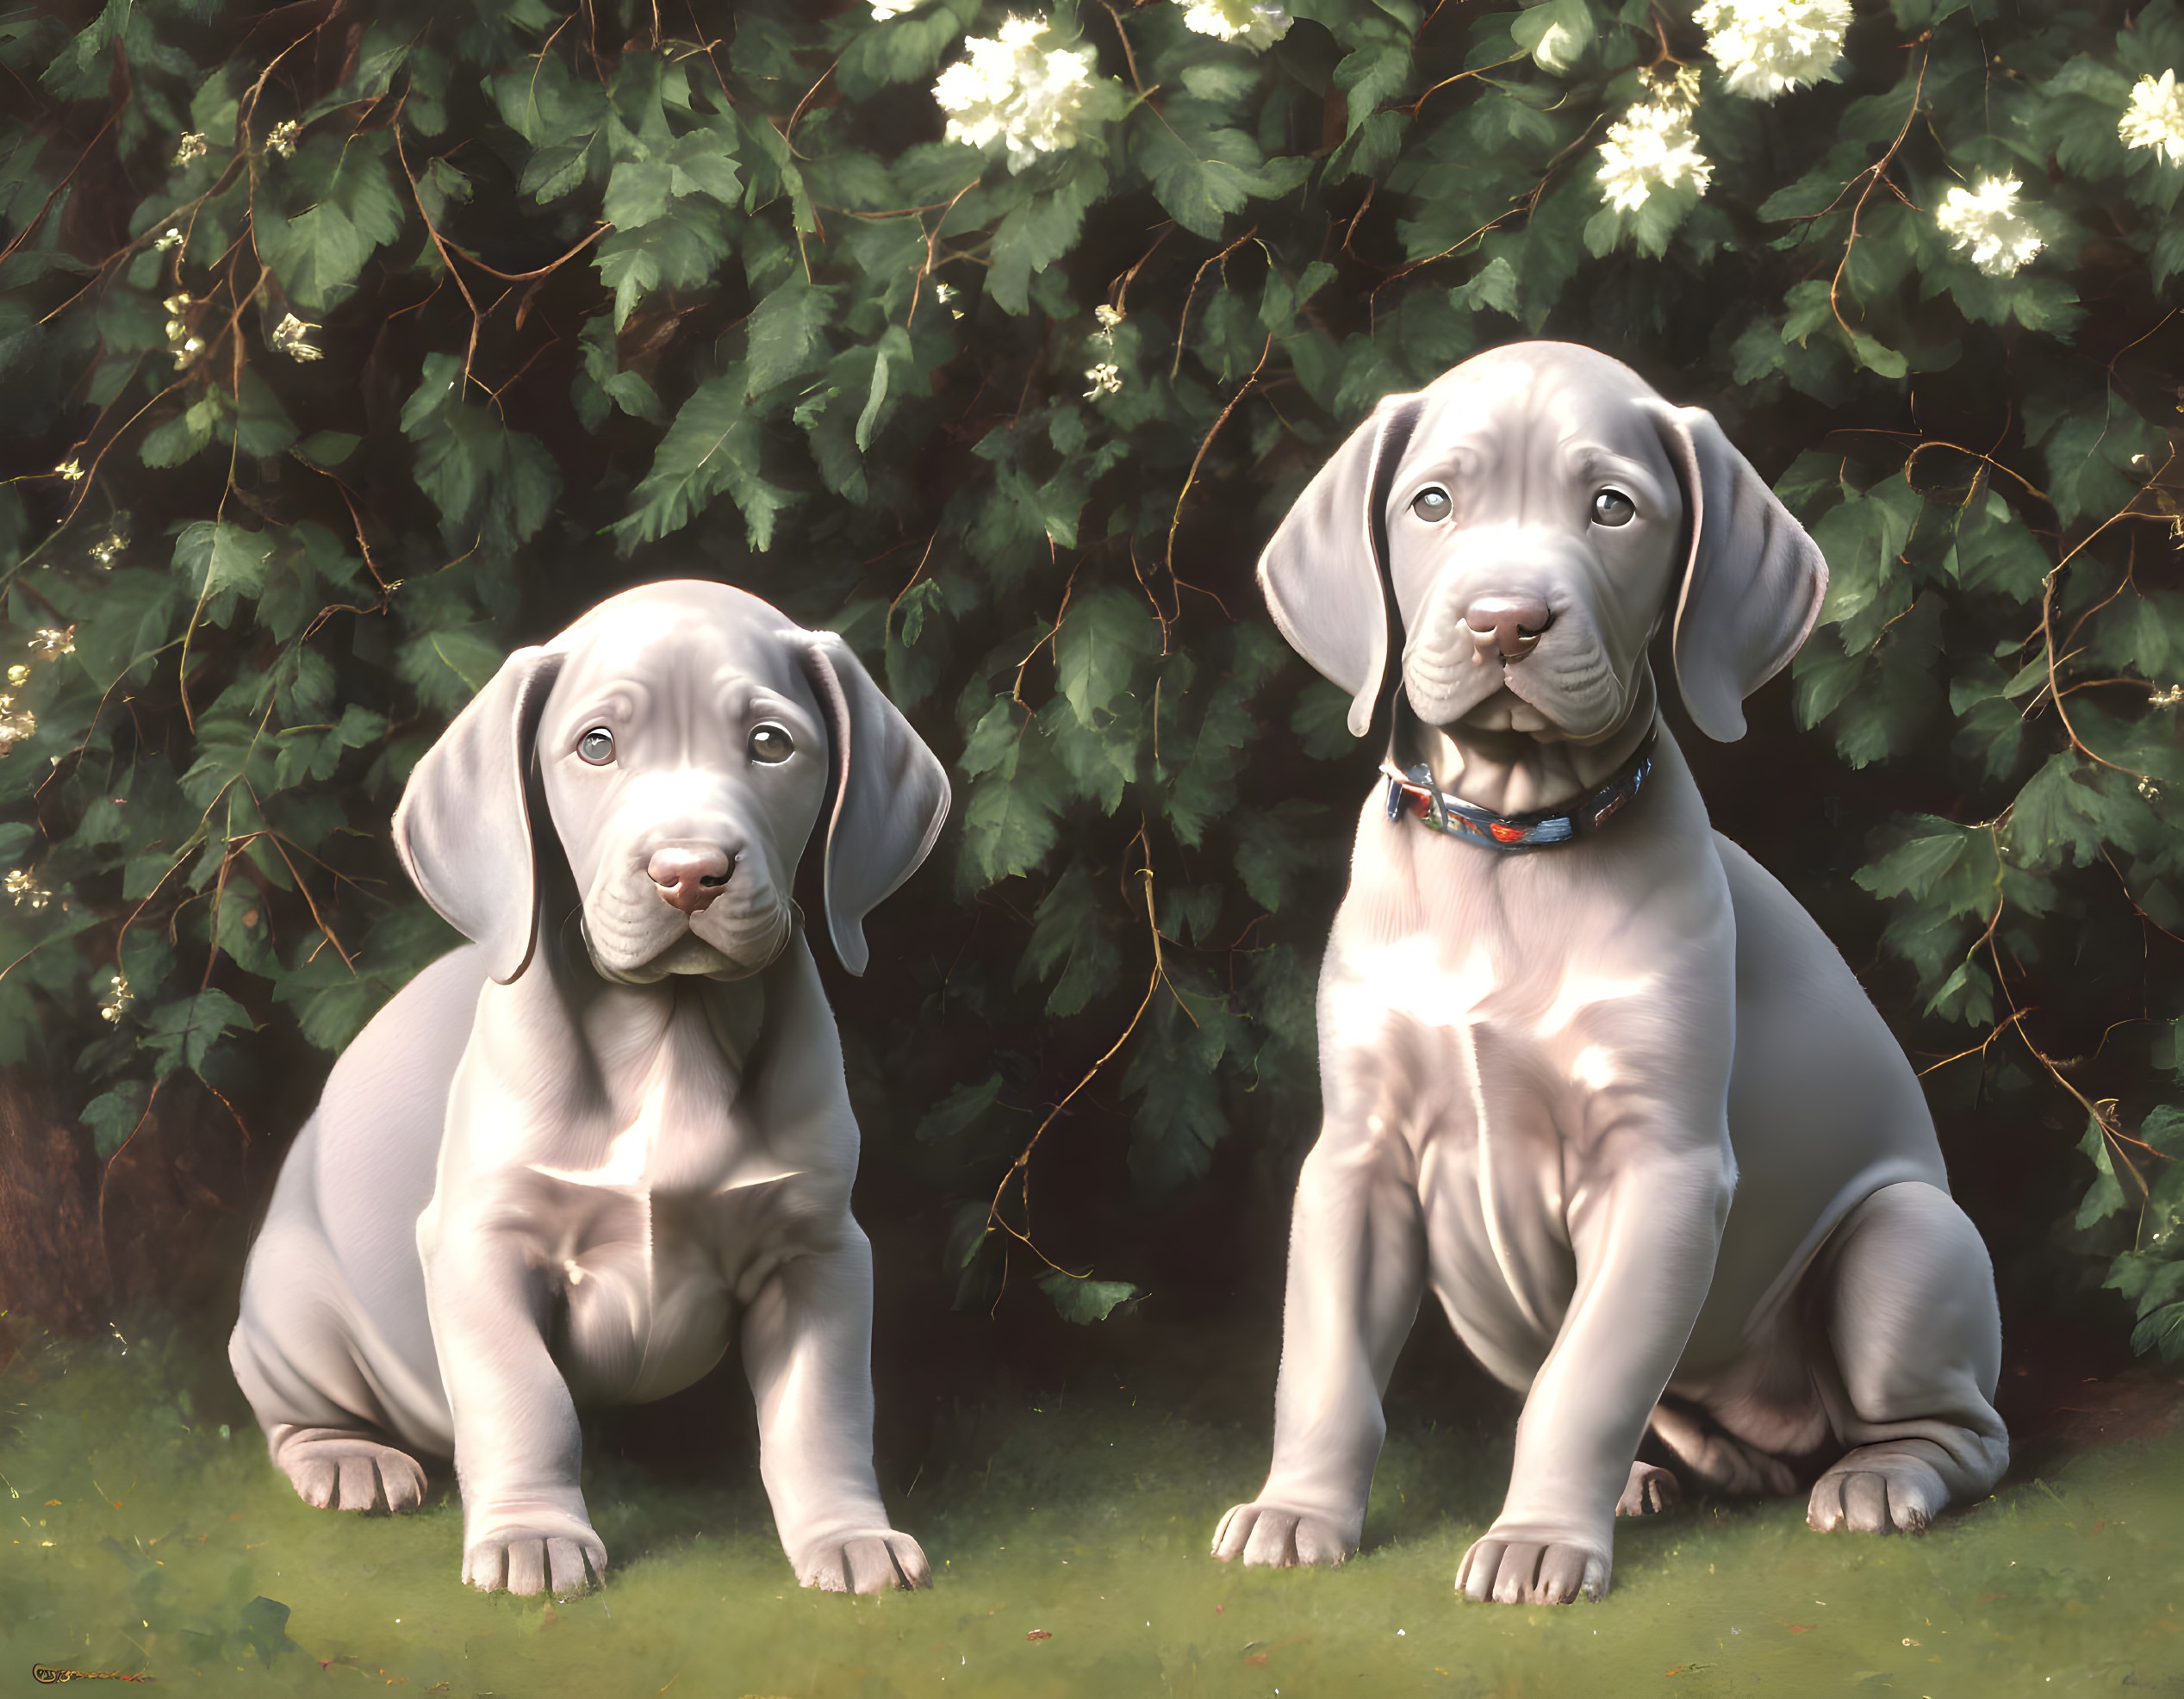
x,y
1564,1025
567,1162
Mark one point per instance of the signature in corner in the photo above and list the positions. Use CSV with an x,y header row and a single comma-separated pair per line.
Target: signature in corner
x,y
45,1675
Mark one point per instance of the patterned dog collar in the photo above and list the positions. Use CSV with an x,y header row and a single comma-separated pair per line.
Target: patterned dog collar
x,y
1411,790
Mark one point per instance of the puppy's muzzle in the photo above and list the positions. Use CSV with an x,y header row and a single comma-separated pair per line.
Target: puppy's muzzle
x,y
690,877
1510,626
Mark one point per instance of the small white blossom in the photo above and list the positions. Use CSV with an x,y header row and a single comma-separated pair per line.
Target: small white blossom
x,y
187,350
1109,317
2156,119
292,337
1010,90
1105,380
16,725
18,676
280,139
169,238
1767,46
884,10
944,293
70,470
191,146
1254,24
114,1000
50,645
107,550
24,889
1985,219
1679,87
1650,147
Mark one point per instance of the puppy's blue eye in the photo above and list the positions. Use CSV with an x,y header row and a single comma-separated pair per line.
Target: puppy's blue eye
x,y
770,745
1612,507
1432,504
596,746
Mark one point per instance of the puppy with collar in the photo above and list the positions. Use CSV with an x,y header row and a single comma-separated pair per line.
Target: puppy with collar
x,y
570,1162
1590,1072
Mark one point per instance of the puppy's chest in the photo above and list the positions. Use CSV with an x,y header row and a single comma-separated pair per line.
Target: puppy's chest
x,y
674,1128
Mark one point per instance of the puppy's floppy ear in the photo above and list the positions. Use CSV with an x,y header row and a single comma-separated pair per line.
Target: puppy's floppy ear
x,y
1323,572
462,829
1754,581
887,793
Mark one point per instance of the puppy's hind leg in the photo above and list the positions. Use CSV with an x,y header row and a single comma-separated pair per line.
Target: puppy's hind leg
x,y
1356,1270
295,1360
1917,1342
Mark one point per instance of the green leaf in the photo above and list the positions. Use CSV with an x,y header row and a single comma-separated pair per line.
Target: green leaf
x,y
958,1111
214,556
1994,551
328,448
447,668
1556,32
1085,1300
711,449
113,1116
2060,811
1103,640
352,211
787,335
494,487
2105,1196
1277,847
181,1034
1039,231
1069,945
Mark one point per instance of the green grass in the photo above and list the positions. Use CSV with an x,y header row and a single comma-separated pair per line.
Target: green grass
x,y
142,1538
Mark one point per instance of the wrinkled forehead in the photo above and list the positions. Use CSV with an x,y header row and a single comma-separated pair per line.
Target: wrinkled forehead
x,y
702,649
1556,410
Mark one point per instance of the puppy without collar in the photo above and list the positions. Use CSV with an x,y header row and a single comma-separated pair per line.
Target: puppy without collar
x,y
569,1162
1588,1072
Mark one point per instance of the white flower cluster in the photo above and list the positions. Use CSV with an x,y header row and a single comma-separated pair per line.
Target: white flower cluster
x,y
1010,90
1767,46
884,10
1650,147
292,336
2156,119
1985,219
1254,24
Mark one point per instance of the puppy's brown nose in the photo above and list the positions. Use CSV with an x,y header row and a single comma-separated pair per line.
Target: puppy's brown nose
x,y
689,878
1510,624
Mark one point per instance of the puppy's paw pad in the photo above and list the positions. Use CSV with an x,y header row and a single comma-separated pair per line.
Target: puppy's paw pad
x,y
1280,1538
1649,1491
1507,1567
348,1472
526,1561
865,1561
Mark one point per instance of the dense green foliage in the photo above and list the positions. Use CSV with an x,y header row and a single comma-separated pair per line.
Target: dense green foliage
x,y
345,346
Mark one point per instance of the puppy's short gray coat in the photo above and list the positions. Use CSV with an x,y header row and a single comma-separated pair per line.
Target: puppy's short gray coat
x,y
1617,1101
568,1163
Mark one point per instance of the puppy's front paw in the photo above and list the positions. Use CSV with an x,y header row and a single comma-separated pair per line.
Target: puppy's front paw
x,y
864,1560
543,1552
1279,1537
1527,1566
